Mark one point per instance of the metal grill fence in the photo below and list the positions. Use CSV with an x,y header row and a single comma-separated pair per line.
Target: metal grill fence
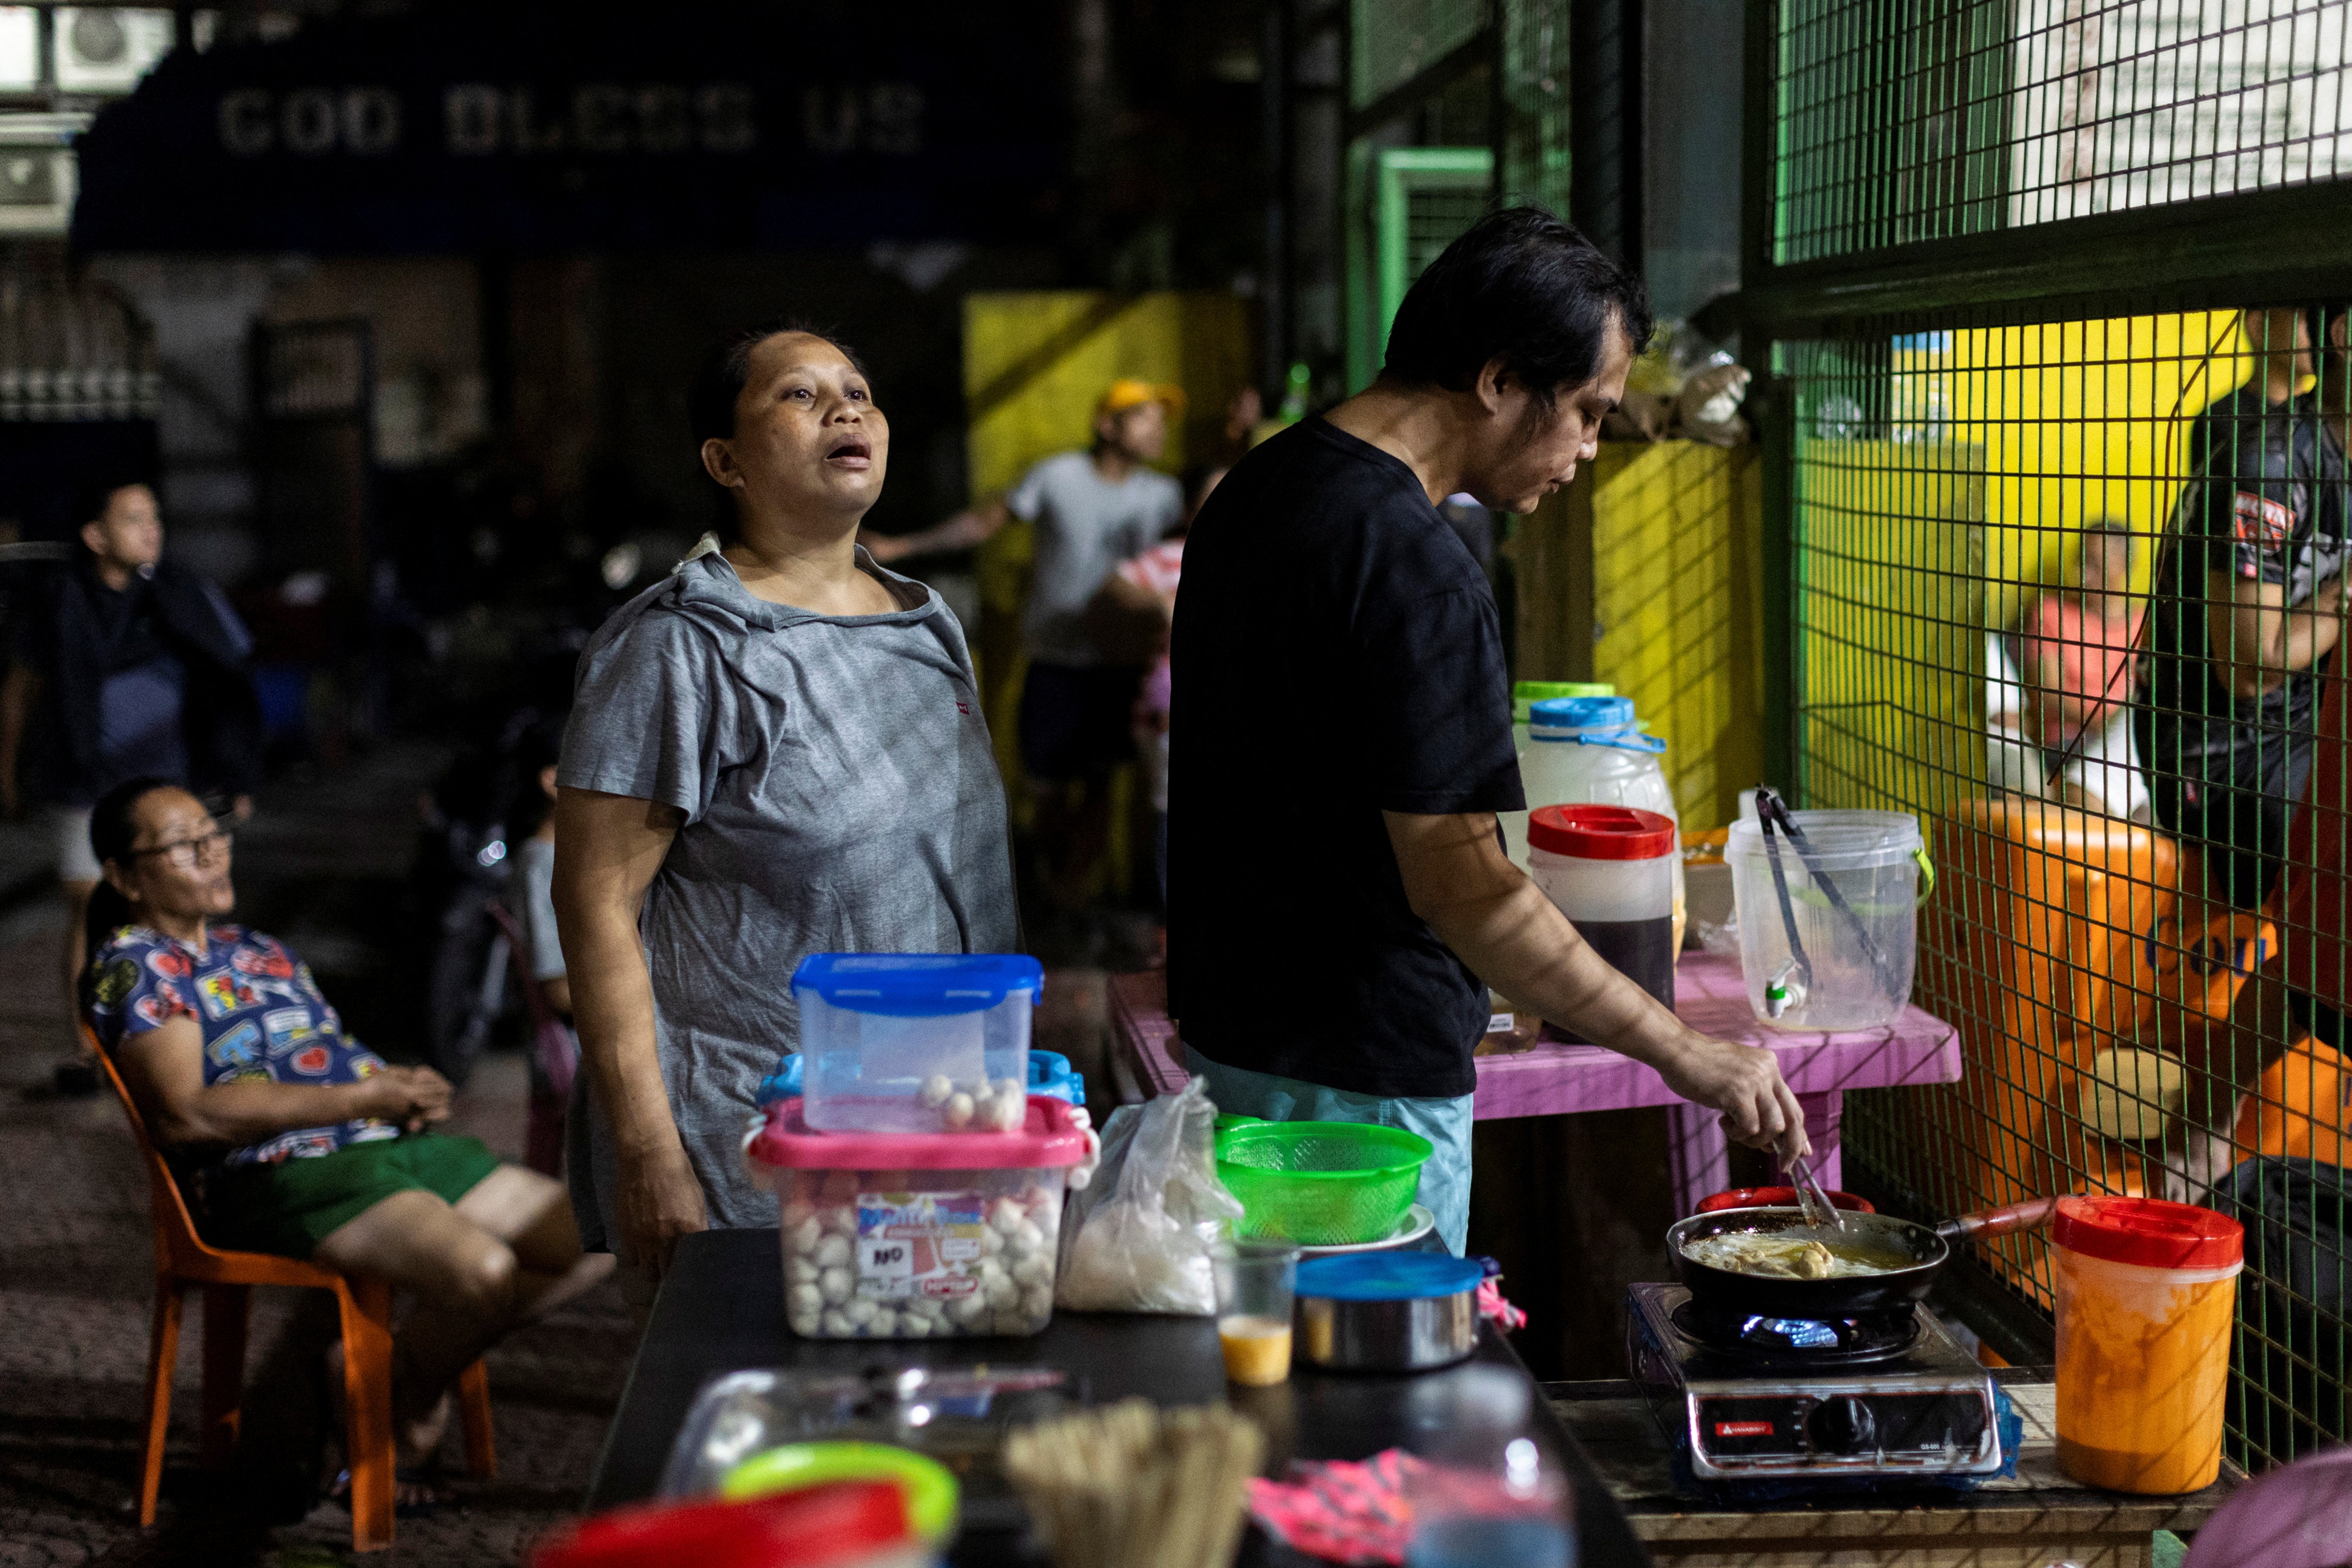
x,y
2066,585
1394,41
1929,118
2031,565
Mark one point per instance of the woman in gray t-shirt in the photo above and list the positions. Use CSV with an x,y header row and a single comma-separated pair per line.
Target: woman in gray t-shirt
x,y
778,751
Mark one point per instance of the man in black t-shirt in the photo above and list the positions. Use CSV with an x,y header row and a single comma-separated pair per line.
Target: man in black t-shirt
x,y
1339,898
2249,597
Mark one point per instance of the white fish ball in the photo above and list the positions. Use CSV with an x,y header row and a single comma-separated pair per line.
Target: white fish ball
x,y
1028,1241
1033,1269
837,1285
832,1252
807,1324
800,1270
1002,1292
860,1311
1006,1216
805,1301
1010,1113
914,1325
837,1324
1038,1302
958,1111
936,1090
991,1242
968,1309
1013,1090
807,1233
885,1324
989,1269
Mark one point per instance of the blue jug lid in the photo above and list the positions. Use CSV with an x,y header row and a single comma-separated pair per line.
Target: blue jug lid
x,y
1387,1276
918,985
1581,714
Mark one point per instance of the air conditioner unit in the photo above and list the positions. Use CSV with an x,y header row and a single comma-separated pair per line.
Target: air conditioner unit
x,y
107,48
37,173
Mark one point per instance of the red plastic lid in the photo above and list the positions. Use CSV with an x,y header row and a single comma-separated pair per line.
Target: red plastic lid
x,y
2149,1232
823,1525
1048,1140
1602,832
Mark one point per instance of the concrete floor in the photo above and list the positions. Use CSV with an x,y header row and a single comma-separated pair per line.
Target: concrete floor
x,y
322,866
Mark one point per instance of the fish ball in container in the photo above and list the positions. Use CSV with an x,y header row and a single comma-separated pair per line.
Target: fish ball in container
x,y
918,1235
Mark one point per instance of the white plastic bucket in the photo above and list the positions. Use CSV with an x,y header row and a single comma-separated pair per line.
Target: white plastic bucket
x,y
1861,958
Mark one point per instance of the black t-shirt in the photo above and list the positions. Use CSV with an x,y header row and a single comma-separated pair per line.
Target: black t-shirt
x,y
2269,506
1336,654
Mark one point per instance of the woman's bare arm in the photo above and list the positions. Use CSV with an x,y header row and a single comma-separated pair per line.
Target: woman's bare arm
x,y
608,849
164,1070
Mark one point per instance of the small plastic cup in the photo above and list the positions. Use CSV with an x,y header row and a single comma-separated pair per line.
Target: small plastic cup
x,y
1255,1280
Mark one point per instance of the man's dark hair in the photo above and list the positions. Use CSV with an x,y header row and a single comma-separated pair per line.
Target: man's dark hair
x,y
719,381
1521,286
92,496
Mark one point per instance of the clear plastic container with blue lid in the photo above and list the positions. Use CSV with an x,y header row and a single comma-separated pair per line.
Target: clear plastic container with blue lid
x,y
915,1042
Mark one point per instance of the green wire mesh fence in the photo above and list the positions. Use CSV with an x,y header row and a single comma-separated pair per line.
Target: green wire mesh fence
x,y
2070,591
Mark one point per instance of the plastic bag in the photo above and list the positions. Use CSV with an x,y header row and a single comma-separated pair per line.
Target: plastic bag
x,y
1138,1239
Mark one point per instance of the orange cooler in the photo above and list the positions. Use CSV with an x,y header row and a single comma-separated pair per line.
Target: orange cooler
x,y
2147,1300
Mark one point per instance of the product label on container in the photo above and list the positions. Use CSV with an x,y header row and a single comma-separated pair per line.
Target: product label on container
x,y
919,1244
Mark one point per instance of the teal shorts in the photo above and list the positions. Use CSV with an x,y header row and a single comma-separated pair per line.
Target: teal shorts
x,y
1446,1122
289,1207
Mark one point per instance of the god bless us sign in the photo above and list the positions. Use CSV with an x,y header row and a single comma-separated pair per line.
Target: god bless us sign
x,y
584,126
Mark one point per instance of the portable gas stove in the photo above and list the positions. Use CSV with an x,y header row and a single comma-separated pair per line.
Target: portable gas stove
x,y
1747,1398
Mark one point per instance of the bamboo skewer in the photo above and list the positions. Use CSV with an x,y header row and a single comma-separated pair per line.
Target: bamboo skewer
x,y
1131,1487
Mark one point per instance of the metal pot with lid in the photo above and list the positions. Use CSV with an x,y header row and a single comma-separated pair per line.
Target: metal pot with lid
x,y
1386,1312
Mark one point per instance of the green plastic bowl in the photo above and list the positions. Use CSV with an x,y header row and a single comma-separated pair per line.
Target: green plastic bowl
x,y
1321,1184
929,1487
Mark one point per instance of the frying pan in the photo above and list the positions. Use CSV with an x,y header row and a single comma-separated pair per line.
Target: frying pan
x,y
1927,1247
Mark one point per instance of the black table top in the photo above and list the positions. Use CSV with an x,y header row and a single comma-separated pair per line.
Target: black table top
x,y
721,1310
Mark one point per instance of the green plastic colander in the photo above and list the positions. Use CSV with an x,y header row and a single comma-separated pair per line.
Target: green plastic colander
x,y
1321,1184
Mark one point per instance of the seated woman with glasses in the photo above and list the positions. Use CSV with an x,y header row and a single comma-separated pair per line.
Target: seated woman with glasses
x,y
289,1137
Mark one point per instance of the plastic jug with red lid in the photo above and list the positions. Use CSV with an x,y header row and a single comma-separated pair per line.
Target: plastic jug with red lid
x,y
2147,1301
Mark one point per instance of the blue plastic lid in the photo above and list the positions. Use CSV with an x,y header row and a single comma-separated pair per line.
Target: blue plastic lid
x,y
918,985
1387,1276
1581,713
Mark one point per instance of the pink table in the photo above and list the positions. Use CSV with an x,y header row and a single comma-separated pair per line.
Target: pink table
x,y
1709,995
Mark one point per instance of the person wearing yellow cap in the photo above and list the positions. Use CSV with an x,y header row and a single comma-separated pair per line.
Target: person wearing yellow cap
x,y
1092,510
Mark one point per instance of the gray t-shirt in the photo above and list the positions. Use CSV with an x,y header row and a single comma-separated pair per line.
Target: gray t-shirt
x,y
1085,527
840,796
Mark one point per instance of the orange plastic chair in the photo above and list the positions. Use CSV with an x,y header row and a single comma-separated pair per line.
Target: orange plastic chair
x,y
182,1259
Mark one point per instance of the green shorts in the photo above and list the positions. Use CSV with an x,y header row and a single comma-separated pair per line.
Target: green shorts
x,y
289,1207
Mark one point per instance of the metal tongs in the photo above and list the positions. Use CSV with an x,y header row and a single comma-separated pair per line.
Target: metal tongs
x,y
1773,814
1812,1198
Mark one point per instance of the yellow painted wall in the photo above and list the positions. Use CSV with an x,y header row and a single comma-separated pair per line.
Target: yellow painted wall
x,y
1889,622
2080,420
1678,610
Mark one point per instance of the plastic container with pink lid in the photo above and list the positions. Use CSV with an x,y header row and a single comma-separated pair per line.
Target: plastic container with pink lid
x,y
918,1235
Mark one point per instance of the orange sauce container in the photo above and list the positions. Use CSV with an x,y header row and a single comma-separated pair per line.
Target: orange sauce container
x,y
2147,1298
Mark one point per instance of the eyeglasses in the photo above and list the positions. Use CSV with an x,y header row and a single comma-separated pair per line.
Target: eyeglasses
x,y
184,853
